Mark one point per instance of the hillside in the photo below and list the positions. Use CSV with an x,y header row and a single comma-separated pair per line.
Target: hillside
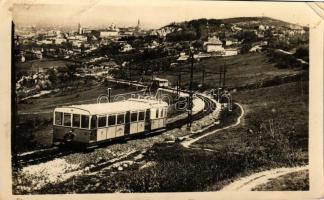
x,y
199,28
243,21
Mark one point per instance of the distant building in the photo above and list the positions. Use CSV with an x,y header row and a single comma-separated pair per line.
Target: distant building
x,y
81,38
60,40
231,41
153,45
126,31
231,52
183,57
213,45
160,82
76,43
86,30
108,33
80,30
256,48
126,48
46,41
236,28
262,28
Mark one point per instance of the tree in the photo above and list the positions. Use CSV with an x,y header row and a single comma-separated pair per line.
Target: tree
x,y
247,36
302,52
183,35
246,47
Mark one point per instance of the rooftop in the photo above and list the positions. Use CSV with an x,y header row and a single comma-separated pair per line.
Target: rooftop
x,y
114,107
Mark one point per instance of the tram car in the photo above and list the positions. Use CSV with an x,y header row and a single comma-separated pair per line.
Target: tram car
x,y
160,82
91,124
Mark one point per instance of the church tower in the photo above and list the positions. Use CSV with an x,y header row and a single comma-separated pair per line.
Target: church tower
x,y
80,31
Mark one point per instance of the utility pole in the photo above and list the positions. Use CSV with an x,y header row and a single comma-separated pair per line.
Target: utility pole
x,y
190,90
224,73
178,85
179,78
178,92
220,77
203,77
130,73
152,72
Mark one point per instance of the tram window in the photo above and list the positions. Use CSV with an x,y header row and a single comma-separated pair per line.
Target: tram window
x,y
102,121
120,119
84,121
67,119
93,122
134,117
157,113
161,114
58,118
112,120
141,116
76,120
165,112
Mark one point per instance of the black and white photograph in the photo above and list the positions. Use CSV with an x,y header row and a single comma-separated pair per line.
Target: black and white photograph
x,y
110,97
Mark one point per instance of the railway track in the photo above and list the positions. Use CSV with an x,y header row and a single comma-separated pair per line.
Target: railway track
x,y
43,155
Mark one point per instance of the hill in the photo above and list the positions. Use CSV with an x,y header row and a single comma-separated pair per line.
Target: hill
x,y
200,28
244,21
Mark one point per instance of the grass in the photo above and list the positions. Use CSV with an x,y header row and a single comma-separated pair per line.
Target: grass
x,y
34,65
242,69
274,114
81,95
295,181
177,170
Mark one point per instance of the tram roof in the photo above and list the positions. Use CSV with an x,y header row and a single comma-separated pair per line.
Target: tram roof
x,y
114,107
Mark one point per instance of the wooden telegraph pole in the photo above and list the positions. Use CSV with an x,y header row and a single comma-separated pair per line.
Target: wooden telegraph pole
x,y
178,85
203,76
224,72
220,78
190,90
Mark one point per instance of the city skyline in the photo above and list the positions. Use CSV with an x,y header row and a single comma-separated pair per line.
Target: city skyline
x,y
151,15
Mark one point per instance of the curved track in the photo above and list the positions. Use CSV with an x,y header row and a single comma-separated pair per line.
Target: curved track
x,y
48,154
187,143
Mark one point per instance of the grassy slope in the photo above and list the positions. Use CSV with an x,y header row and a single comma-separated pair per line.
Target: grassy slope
x,y
34,65
284,108
84,94
295,181
241,70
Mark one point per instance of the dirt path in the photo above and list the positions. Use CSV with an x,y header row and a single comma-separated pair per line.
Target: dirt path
x,y
249,182
187,143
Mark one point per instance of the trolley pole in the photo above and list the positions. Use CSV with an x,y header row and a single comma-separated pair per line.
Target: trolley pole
x,y
190,91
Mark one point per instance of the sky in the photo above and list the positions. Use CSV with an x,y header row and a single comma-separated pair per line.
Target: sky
x,y
152,14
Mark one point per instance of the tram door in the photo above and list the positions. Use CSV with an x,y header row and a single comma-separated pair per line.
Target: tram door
x,y
127,123
148,120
